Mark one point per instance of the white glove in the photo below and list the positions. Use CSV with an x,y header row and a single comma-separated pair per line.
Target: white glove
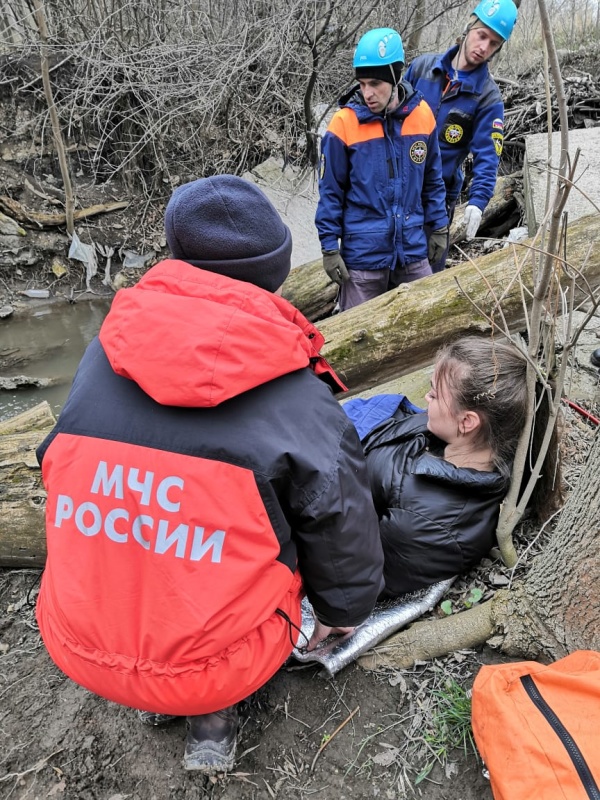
x,y
472,219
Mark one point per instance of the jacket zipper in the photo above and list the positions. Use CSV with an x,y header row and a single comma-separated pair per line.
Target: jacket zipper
x,y
585,775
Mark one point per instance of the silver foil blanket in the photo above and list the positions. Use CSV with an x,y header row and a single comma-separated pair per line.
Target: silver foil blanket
x,y
336,652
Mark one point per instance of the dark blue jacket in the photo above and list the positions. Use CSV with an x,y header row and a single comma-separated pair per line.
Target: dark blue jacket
x,y
470,119
380,181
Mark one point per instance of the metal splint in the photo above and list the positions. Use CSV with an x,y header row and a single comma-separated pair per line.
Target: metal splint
x,y
336,652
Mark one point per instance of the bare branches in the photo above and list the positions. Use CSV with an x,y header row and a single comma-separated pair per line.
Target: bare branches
x,y
40,17
164,92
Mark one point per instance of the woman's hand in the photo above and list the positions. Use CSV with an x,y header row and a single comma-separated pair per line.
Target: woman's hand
x,y
323,631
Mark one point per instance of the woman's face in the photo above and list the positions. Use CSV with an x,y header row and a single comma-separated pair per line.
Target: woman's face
x,y
443,423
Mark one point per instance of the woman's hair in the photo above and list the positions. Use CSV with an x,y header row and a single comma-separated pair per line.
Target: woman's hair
x,y
491,378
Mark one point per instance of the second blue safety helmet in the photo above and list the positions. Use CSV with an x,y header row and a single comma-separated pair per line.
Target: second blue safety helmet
x,y
499,15
379,54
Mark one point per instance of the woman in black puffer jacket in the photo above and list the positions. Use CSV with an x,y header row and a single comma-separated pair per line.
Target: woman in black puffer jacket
x,y
438,477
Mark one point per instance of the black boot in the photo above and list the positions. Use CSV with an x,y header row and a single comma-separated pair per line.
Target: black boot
x,y
150,718
211,741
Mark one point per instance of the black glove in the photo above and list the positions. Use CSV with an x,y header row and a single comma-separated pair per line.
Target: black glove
x,y
438,242
334,266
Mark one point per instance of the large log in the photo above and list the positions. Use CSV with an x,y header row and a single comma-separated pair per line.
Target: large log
x,y
401,330
22,495
309,289
382,340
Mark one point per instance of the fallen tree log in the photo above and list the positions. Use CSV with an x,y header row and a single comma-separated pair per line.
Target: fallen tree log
x,y
310,290
400,331
382,340
22,495
44,220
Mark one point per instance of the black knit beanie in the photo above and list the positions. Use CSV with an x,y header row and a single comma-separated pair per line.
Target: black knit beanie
x,y
226,224
390,73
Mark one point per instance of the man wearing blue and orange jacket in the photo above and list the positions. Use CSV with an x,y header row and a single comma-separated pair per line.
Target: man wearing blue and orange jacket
x,y
380,179
468,107
201,478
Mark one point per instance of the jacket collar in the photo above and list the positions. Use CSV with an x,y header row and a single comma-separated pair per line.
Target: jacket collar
x,y
423,447
428,465
474,80
353,99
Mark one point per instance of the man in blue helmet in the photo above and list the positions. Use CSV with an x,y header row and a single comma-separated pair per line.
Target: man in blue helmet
x,y
468,107
380,179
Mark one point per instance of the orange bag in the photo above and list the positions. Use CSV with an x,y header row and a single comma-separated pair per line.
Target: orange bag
x,y
537,727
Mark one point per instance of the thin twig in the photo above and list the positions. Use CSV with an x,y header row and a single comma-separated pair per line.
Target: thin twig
x,y
336,731
36,767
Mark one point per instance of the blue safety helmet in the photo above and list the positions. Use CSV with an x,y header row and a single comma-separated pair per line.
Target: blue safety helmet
x,y
379,47
499,15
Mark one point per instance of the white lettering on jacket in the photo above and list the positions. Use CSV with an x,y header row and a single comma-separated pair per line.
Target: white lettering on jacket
x,y
158,535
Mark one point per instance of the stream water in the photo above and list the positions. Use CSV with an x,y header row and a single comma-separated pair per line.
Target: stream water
x,y
46,342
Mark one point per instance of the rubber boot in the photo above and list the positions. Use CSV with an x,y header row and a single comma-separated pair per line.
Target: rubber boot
x,y
211,741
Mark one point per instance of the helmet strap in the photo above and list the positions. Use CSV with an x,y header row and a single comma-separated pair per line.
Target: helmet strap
x,y
397,86
401,97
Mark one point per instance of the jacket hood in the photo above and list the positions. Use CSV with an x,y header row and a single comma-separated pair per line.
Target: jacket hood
x,y
193,338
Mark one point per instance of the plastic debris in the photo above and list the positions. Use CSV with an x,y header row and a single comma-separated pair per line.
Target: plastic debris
x,y
85,253
108,253
133,260
516,235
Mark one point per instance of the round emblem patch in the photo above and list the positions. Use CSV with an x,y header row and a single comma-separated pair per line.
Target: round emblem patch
x,y
418,152
453,134
498,140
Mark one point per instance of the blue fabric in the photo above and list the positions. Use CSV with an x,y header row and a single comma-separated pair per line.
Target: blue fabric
x,y
470,118
377,190
367,413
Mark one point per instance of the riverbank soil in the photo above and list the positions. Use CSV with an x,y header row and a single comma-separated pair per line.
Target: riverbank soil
x,y
58,740
359,735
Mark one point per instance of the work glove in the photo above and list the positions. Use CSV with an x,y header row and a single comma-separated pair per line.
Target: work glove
x,y
334,266
472,219
438,242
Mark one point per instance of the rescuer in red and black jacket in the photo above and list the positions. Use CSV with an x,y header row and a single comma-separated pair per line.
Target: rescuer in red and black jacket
x,y
201,478
380,179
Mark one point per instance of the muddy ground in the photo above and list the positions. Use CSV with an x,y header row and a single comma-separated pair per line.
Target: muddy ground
x,y
58,740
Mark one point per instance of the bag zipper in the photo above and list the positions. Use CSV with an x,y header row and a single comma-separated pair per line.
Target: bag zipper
x,y
579,762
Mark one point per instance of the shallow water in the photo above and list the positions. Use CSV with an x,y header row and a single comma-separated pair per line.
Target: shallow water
x,y
48,341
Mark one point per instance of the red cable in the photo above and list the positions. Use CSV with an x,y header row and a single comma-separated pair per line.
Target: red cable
x,y
582,411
